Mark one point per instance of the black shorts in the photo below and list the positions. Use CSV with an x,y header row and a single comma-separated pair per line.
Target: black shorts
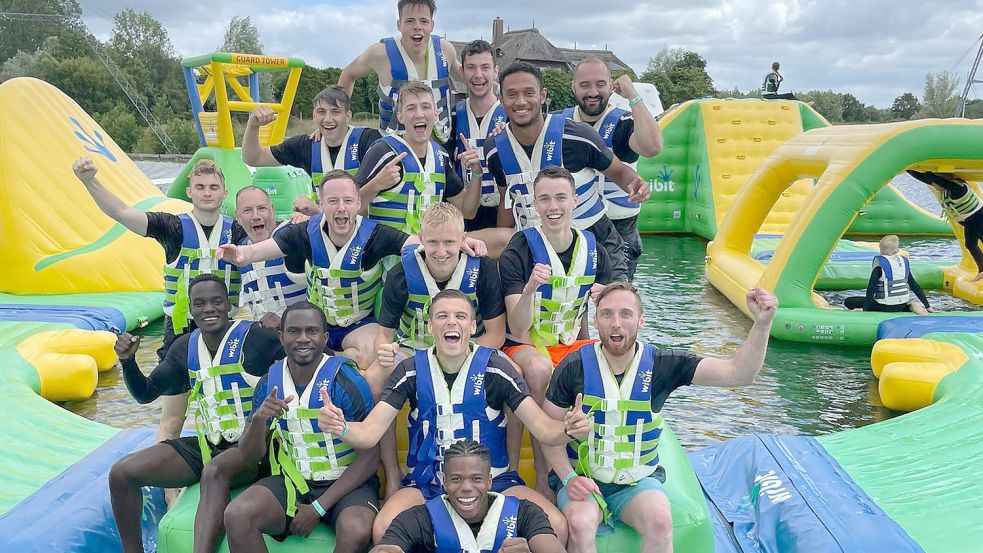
x,y
187,448
366,495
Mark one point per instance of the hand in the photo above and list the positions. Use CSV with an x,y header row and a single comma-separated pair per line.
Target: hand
x,y
474,247
595,290
932,310
316,135
231,253
623,87
272,407
499,128
126,346
299,218
762,304
575,421
469,157
515,545
263,115
331,419
270,320
638,190
541,273
305,205
85,170
580,488
387,355
978,277
305,521
390,175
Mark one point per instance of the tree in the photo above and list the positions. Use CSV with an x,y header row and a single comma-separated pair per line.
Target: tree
x,y
827,102
31,64
905,106
679,75
241,37
559,94
29,36
853,109
939,98
974,109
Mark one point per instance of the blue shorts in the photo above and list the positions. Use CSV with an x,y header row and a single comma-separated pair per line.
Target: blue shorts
x,y
500,483
337,334
617,496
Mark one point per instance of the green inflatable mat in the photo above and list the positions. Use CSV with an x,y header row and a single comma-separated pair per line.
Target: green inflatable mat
x,y
692,530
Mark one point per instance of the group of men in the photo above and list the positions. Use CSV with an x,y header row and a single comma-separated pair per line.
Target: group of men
x,y
389,295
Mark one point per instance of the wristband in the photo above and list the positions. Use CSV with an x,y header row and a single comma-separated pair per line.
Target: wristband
x,y
569,477
317,507
344,432
636,100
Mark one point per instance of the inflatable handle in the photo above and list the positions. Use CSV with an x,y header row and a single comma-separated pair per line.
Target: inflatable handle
x,y
68,361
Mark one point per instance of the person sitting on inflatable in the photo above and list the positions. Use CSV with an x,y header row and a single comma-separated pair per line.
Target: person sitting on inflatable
x,y
335,144
891,284
456,389
219,363
468,517
624,385
316,477
963,206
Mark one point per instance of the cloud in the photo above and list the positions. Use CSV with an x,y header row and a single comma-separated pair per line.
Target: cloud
x,y
875,50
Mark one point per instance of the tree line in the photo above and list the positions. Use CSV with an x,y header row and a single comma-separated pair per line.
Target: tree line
x,y
59,52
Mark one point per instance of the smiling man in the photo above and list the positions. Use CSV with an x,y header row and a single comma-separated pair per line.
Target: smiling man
x,y
219,363
416,56
319,478
338,145
402,176
469,517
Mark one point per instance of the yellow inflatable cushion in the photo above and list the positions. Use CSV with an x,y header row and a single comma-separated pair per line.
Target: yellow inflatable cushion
x,y
68,361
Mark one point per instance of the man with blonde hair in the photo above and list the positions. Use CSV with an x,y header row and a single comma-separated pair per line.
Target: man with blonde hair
x,y
891,285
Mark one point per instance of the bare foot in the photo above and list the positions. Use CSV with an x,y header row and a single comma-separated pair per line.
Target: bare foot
x,y
979,276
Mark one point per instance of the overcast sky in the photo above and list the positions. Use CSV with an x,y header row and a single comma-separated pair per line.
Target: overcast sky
x,y
874,49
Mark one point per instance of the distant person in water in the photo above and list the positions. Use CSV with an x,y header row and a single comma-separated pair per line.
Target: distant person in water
x,y
891,285
961,204
773,80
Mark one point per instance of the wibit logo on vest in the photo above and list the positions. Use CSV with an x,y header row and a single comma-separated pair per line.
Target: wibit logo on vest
x,y
353,152
472,278
550,148
355,253
607,130
498,119
322,385
479,382
511,525
646,377
233,348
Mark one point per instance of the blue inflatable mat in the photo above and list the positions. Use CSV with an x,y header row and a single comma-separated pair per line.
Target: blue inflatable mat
x,y
766,255
916,327
83,317
72,512
787,494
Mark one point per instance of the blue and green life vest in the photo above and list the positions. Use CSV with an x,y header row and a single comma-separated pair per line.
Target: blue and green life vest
x,y
476,133
403,71
618,205
336,281
452,534
348,158
402,206
267,286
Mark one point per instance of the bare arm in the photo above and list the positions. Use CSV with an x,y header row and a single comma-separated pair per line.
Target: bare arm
x,y
250,253
743,368
556,455
646,138
506,219
366,434
173,413
253,153
519,306
455,70
628,180
359,67
387,549
467,201
130,217
548,430
494,335
546,543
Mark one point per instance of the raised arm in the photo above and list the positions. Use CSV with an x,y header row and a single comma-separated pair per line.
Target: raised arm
x,y
646,138
519,306
743,368
253,153
359,67
360,435
573,423
249,253
130,217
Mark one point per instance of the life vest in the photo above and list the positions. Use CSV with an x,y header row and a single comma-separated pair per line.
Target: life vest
x,y
892,289
623,447
769,85
453,535
402,206
402,71
466,123
336,281
961,208
444,416
560,303
197,256
348,158
520,171
221,389
617,199
267,286
412,331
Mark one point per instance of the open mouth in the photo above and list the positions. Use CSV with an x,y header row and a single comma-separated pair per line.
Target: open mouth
x,y
259,228
467,503
341,220
304,350
478,84
554,216
452,337
417,39
209,319
329,126
617,339
521,111
420,127
592,100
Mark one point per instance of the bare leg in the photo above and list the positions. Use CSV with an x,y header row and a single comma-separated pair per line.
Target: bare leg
x,y
173,412
399,502
158,465
357,522
253,513
494,238
557,520
583,518
537,370
224,472
359,346
377,377
650,515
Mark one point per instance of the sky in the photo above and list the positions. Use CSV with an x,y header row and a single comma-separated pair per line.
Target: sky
x,y
873,49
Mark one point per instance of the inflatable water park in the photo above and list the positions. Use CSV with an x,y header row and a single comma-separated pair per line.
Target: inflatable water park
x,y
787,202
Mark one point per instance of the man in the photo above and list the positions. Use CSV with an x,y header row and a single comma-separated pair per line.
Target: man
x,y
530,143
402,176
547,272
338,145
629,134
267,286
456,390
468,517
771,83
621,371
219,363
417,56
343,254
316,477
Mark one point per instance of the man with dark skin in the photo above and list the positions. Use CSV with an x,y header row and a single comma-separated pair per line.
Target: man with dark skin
x,y
180,462
344,496
522,527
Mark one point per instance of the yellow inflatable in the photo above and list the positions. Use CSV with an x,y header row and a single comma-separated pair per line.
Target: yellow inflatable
x,y
909,370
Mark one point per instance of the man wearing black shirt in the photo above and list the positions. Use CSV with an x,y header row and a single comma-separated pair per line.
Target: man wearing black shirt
x,y
622,371
181,462
335,144
520,525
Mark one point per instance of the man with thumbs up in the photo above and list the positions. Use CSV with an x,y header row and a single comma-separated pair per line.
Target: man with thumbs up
x,y
316,477
622,384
